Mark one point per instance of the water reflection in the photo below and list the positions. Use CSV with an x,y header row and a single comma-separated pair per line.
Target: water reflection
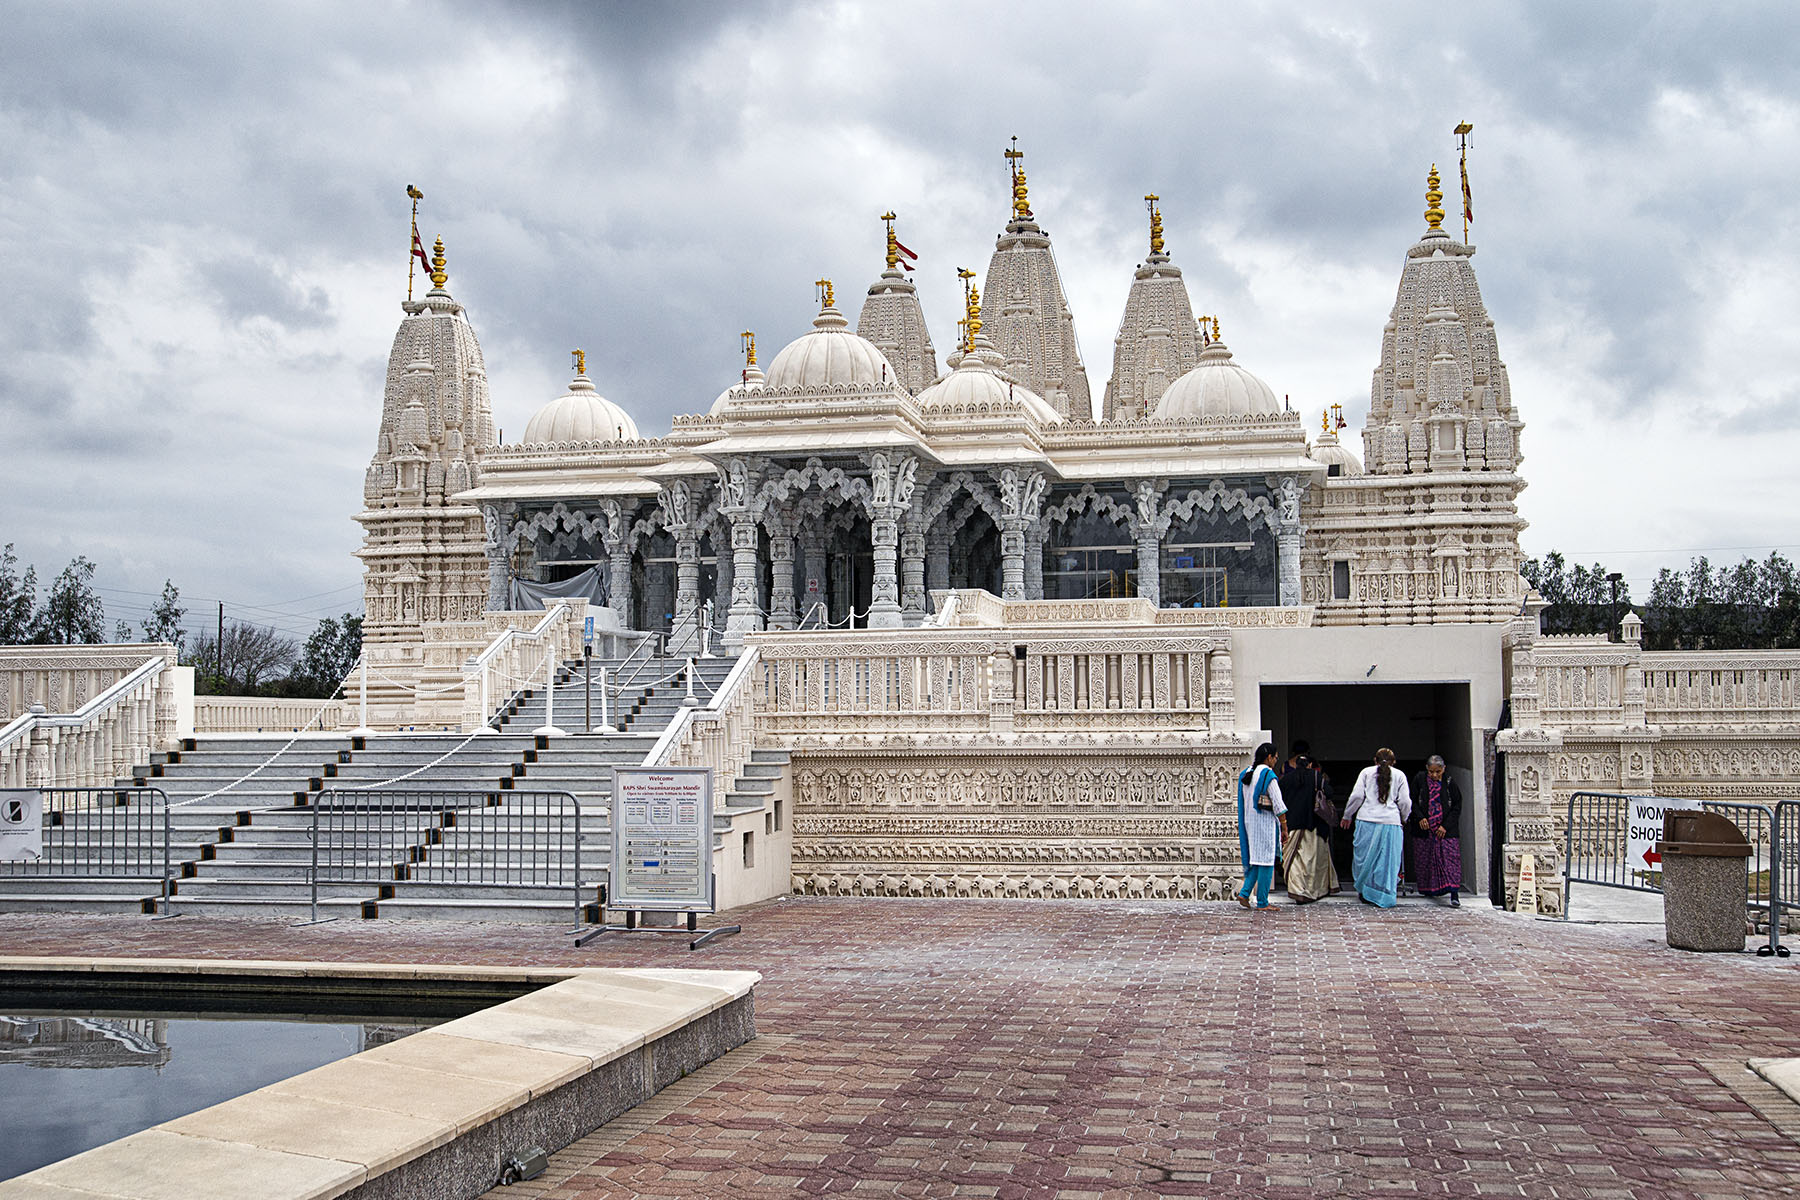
x,y
70,1086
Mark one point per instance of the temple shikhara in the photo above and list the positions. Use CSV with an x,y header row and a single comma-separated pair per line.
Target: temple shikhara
x,y
1018,632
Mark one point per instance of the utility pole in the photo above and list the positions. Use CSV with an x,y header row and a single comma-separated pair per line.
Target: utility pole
x,y
219,658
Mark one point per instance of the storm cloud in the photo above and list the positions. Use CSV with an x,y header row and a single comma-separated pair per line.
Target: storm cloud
x,y
203,230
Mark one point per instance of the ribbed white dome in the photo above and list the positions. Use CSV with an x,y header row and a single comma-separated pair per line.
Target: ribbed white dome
x,y
1217,387
977,381
752,381
582,415
1332,453
829,357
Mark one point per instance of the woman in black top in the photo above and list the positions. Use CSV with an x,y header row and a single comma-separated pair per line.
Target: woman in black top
x,y
1307,854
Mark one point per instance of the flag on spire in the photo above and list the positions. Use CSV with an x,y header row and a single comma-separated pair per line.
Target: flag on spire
x,y
906,254
418,251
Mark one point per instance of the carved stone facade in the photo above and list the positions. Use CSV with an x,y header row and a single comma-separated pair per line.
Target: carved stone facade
x,y
1157,342
892,320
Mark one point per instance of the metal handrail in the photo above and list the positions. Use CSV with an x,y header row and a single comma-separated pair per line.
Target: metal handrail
x,y
619,685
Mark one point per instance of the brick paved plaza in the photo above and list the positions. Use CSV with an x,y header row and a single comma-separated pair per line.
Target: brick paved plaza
x,y
1014,1049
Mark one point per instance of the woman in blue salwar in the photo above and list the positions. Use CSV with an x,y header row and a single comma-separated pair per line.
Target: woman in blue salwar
x,y
1262,823
1379,804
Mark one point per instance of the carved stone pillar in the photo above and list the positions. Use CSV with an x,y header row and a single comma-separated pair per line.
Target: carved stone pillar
x,y
912,570
495,546
1149,522
723,584
1034,560
746,612
891,479
677,504
1528,746
1289,537
781,575
1221,690
937,562
1021,500
812,572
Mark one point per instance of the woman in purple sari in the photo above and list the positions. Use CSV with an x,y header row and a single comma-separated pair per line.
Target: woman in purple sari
x,y
1437,820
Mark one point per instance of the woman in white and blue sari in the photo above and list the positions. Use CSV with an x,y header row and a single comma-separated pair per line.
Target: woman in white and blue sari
x,y
1260,814
1380,804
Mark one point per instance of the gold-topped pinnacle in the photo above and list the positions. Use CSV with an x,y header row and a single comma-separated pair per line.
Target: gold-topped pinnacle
x,y
1021,201
825,294
1434,201
1156,232
1325,421
580,357
893,243
748,340
1215,336
971,322
438,275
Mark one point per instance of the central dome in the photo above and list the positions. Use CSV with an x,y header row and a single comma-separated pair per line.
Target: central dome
x,y
580,415
1217,387
977,385
830,357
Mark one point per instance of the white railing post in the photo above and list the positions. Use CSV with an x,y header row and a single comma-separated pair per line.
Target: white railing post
x,y
549,728
690,700
362,698
606,725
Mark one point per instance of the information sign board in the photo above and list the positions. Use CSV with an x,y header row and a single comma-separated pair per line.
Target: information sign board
x,y
662,839
21,825
587,631
1643,829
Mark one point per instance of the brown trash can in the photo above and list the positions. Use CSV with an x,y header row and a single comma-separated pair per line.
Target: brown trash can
x,y
1705,883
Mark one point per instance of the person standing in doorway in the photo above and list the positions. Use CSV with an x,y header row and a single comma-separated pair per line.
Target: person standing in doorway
x,y
1437,848
1261,813
1306,852
1380,804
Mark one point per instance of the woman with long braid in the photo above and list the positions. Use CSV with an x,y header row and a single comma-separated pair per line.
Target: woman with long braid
x,y
1379,804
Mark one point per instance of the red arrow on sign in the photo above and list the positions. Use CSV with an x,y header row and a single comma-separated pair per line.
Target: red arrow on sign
x,y
1653,858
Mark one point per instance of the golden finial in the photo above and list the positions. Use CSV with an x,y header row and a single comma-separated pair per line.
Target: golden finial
x,y
1434,200
1156,237
1325,421
580,361
825,298
893,253
438,274
1215,322
971,322
1021,205
748,339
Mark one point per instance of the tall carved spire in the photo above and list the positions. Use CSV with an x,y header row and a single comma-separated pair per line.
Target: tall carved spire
x,y
1158,341
893,319
1026,313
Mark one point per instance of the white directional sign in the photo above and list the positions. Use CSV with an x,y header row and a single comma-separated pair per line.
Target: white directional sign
x,y
21,826
662,839
1643,829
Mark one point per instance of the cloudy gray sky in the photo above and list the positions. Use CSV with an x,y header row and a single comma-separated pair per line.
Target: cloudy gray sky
x,y
203,229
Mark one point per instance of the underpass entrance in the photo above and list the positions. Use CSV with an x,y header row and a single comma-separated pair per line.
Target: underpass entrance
x,y
1345,723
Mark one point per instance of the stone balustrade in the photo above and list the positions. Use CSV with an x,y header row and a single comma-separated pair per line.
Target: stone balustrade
x,y
114,705
270,714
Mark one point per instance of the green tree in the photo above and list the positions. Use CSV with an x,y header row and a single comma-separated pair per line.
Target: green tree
x,y
164,624
328,656
72,613
18,600
254,656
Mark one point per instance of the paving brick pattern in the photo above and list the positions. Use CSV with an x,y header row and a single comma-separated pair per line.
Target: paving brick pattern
x,y
1100,1050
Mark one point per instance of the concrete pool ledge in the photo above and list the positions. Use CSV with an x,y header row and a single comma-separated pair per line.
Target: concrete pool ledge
x,y
435,1114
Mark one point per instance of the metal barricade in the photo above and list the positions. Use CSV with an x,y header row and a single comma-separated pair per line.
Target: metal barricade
x,y
493,838
99,833
1786,873
1597,836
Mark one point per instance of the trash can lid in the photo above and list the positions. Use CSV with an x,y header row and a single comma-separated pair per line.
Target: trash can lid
x,y
1698,833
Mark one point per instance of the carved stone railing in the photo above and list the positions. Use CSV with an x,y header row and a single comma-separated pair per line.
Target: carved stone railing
x,y
720,735
516,655
270,714
972,607
99,739
982,680
1589,682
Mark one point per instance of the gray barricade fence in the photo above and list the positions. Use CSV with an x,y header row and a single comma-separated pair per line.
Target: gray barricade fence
x,y
1787,876
1599,849
498,838
98,833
